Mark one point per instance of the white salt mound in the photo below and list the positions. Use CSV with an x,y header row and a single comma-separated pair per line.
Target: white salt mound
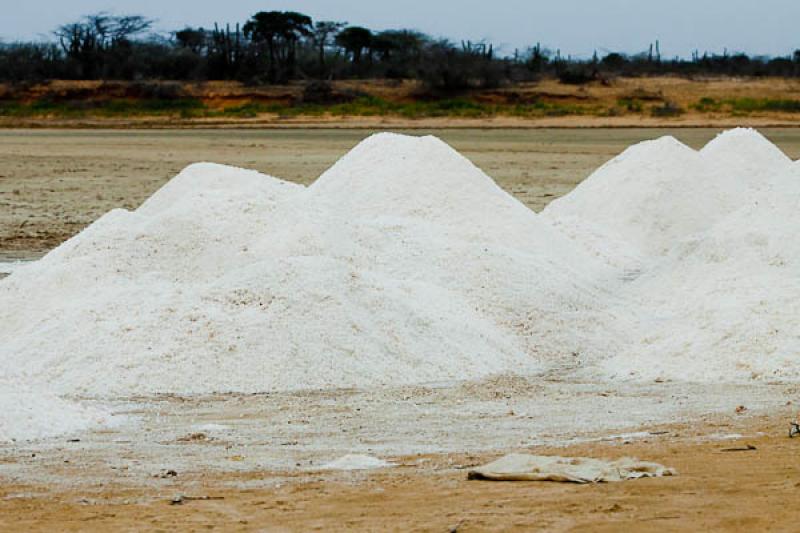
x,y
746,153
403,264
356,462
658,192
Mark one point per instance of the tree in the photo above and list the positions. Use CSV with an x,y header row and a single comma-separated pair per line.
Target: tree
x,y
614,61
225,52
537,59
323,34
91,40
354,40
399,52
193,39
279,31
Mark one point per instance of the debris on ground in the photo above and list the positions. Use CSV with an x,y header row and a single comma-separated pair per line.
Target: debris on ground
x,y
525,467
180,499
747,448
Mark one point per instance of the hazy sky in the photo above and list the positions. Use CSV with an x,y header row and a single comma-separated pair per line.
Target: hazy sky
x,y
575,26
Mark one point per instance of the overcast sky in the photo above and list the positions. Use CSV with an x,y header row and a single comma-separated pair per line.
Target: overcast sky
x,y
577,27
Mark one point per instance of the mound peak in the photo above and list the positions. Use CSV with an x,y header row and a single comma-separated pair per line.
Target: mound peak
x,y
390,176
204,180
388,161
646,196
745,150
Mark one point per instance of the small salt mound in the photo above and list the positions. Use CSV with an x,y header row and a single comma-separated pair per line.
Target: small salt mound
x,y
29,414
203,180
356,462
746,153
657,193
649,196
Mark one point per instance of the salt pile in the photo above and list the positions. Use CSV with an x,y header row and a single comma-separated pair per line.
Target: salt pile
x,y
659,192
404,263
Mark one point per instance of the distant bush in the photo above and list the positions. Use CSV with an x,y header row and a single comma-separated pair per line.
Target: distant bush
x,y
668,109
632,105
576,77
749,105
708,105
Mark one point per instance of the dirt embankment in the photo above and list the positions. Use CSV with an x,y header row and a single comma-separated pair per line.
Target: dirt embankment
x,y
621,102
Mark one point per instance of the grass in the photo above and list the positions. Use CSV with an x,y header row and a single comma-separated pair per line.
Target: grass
x,y
188,108
668,109
373,106
103,108
745,106
362,106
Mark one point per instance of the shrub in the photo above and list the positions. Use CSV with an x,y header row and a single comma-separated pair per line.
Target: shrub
x,y
669,109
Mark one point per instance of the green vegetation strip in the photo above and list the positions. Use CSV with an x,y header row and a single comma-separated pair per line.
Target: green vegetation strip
x,y
747,105
372,106
363,106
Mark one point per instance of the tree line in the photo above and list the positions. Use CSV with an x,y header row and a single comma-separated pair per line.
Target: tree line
x,y
275,47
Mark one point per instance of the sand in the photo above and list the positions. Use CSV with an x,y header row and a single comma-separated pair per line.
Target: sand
x,y
716,490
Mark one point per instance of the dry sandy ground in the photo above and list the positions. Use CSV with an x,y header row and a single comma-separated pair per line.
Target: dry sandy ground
x,y
259,473
722,485
55,182
252,462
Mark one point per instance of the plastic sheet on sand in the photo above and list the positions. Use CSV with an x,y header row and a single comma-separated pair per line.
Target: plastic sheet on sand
x,y
524,467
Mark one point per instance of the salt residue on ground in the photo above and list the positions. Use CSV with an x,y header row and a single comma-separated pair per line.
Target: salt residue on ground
x,y
29,414
356,462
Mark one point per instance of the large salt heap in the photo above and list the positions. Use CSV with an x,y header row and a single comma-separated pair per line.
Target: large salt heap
x,y
404,263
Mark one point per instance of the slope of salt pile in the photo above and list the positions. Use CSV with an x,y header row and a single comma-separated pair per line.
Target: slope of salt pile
x,y
402,264
31,414
723,305
647,197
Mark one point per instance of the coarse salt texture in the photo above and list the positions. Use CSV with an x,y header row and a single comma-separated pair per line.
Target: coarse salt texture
x,y
404,263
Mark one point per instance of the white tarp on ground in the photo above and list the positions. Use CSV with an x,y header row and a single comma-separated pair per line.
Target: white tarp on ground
x,y
524,467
